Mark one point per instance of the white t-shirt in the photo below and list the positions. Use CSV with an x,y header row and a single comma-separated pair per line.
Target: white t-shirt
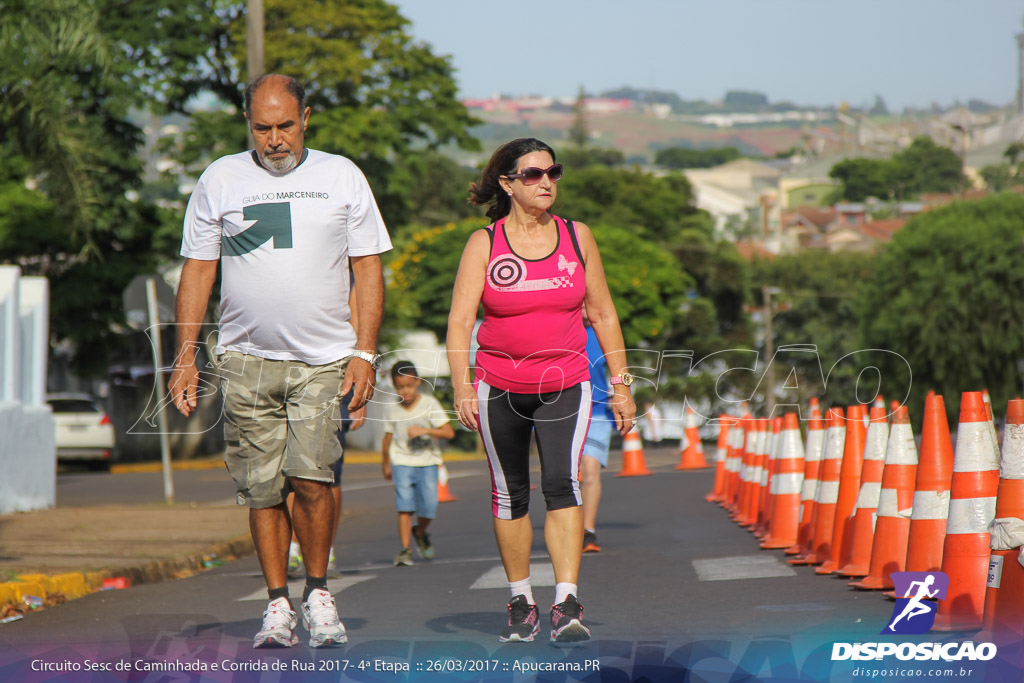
x,y
284,242
423,450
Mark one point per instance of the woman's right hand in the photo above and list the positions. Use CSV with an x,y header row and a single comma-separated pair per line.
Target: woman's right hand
x,y
466,405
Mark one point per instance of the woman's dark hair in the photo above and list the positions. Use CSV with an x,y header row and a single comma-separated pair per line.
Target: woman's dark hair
x,y
503,162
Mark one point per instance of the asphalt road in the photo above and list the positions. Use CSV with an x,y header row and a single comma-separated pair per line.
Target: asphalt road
x,y
678,587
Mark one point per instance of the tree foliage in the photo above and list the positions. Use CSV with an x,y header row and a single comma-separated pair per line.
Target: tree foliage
x,y
923,167
682,157
645,282
814,304
948,295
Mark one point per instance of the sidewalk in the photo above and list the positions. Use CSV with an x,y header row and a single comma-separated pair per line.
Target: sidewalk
x,y
69,552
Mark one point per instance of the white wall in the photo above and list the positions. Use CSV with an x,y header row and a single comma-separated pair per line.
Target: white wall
x,y
28,454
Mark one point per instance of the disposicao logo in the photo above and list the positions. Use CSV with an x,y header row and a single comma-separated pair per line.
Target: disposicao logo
x,y
914,615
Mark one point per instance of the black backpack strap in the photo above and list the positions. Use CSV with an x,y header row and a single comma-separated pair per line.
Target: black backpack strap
x,y
571,227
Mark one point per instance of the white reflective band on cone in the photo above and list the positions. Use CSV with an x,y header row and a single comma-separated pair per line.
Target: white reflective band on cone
x,y
889,503
810,487
764,477
720,454
868,496
815,442
784,484
970,515
828,492
1007,533
902,449
975,449
834,443
1012,464
931,505
874,446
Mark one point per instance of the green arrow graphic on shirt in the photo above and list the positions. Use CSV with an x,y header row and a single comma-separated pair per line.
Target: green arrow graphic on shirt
x,y
273,221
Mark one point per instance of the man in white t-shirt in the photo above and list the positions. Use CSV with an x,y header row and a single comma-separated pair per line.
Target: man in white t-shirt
x,y
285,223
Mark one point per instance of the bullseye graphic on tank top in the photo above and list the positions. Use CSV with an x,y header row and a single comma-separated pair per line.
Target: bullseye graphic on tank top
x,y
508,273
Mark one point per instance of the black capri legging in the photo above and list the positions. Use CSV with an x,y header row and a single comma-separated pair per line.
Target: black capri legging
x,y
507,421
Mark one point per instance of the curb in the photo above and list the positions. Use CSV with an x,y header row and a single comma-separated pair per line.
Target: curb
x,y
78,584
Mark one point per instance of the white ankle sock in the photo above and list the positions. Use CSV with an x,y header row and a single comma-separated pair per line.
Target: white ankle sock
x,y
564,590
522,588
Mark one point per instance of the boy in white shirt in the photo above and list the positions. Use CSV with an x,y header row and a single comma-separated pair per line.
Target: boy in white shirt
x,y
411,454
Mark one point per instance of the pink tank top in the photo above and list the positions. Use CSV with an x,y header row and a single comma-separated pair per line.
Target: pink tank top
x,y
532,337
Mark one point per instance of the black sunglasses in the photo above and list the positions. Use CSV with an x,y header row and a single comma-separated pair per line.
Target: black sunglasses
x,y
531,175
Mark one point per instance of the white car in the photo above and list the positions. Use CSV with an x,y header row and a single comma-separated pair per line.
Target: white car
x,y
84,432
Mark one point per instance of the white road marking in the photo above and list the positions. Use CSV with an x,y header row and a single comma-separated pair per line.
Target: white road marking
x,y
335,586
741,567
540,575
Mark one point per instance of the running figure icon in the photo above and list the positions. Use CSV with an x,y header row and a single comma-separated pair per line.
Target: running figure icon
x,y
915,607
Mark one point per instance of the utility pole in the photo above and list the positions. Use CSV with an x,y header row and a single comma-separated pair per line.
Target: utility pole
x,y
254,38
1020,74
769,349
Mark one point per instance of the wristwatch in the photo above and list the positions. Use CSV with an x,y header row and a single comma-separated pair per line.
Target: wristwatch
x,y
373,359
623,378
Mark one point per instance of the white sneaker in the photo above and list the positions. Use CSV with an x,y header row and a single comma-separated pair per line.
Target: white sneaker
x,y
320,617
278,623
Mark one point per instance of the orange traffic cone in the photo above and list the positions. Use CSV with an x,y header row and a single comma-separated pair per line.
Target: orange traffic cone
x,y
849,489
633,464
972,508
764,508
931,491
1004,597
828,491
757,464
812,464
444,495
691,451
863,527
786,486
755,439
734,463
892,529
725,424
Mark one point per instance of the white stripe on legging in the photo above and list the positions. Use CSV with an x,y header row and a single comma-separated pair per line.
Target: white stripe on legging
x,y
497,474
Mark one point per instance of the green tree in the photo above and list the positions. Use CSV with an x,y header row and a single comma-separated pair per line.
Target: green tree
x,y
948,296
997,177
377,93
816,305
644,281
64,105
579,135
927,167
862,178
682,157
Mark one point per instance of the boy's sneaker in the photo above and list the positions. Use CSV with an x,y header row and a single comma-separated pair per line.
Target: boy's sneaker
x,y
567,622
523,622
590,542
320,617
279,622
403,558
296,568
423,546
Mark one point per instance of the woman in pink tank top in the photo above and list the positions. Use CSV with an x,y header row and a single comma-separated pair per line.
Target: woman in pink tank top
x,y
533,272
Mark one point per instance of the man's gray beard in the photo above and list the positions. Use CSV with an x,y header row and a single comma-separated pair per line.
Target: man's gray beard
x,y
280,166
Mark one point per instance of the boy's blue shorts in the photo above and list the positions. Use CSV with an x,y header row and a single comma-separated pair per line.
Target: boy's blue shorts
x,y
416,489
599,438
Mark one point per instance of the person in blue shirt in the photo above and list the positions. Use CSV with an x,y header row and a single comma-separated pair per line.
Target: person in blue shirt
x,y
595,450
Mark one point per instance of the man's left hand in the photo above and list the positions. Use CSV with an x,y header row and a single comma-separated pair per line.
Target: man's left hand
x,y
360,378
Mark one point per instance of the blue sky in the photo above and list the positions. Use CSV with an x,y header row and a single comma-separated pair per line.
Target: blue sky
x,y
911,52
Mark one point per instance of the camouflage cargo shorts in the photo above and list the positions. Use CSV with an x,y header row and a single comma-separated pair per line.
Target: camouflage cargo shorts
x,y
281,420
